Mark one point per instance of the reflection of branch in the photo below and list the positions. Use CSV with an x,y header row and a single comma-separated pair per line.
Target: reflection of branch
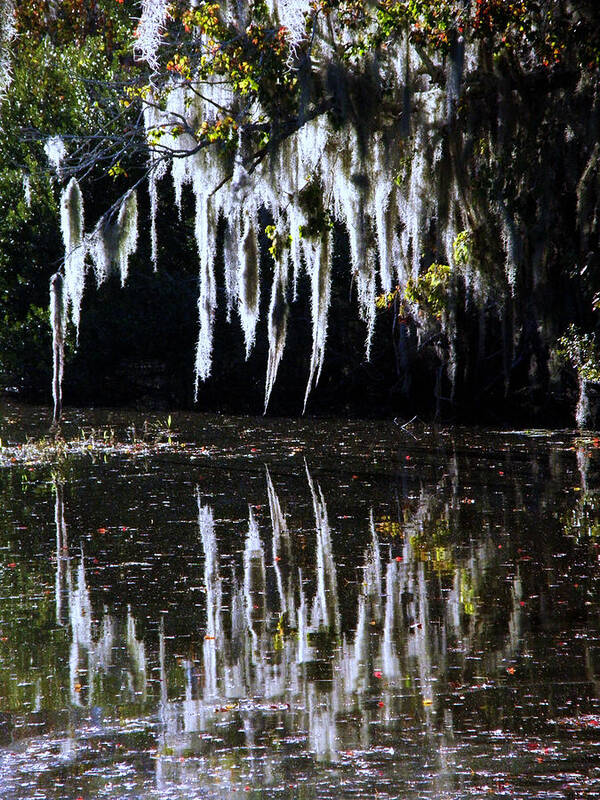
x,y
590,671
62,554
405,425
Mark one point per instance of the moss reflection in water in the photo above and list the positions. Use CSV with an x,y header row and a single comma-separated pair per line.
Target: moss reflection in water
x,y
196,642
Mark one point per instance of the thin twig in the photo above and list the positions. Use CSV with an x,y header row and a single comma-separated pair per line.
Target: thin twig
x,y
404,426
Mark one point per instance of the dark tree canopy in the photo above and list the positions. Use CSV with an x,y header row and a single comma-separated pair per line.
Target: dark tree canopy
x,y
444,155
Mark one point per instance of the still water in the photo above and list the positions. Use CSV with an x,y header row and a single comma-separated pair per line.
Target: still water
x,y
278,609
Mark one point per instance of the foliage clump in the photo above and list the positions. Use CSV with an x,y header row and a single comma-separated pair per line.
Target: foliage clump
x,y
580,351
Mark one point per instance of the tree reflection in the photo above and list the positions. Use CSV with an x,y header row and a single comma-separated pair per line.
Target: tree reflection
x,y
419,628
95,655
310,648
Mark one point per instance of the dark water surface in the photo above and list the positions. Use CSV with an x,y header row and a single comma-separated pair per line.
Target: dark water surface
x,y
311,609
